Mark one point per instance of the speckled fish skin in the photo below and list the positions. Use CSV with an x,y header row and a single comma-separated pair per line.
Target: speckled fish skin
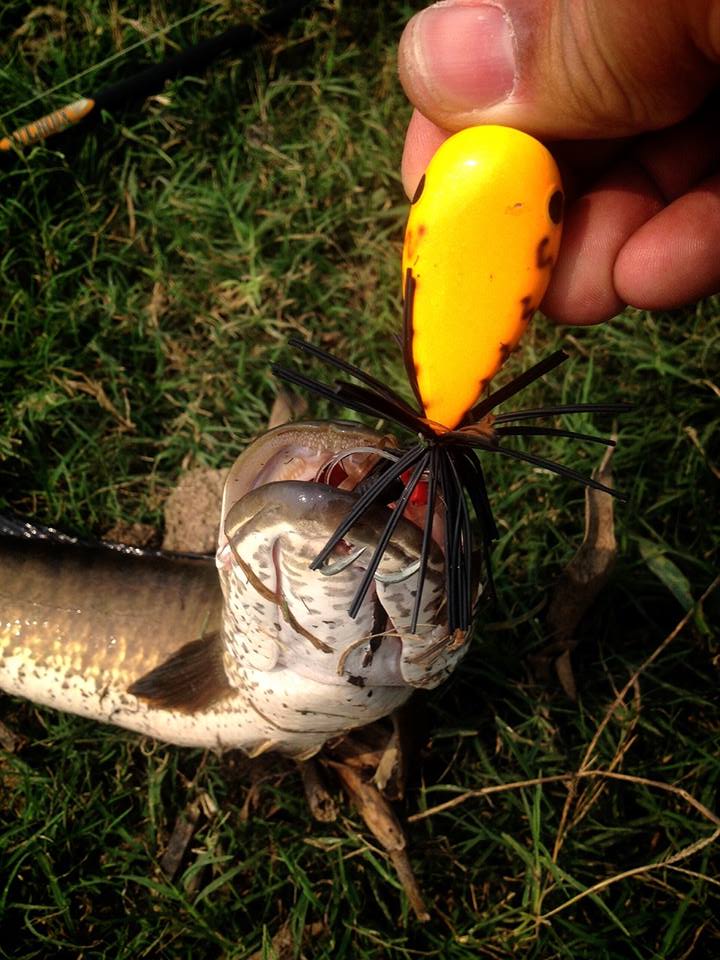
x,y
80,627
275,529
79,624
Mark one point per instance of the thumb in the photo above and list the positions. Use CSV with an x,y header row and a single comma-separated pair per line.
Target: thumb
x,y
561,68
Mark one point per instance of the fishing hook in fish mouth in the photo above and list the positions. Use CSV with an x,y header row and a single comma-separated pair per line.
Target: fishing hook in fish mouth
x,y
331,569
455,477
400,575
325,472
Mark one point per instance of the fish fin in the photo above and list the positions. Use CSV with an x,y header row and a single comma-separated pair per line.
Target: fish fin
x,y
192,679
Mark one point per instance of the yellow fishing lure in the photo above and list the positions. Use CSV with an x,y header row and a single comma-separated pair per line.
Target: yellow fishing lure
x,y
481,239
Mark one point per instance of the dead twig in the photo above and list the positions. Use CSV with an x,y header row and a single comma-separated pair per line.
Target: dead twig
x,y
319,799
380,819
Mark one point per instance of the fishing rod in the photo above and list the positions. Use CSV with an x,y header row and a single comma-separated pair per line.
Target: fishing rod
x,y
144,84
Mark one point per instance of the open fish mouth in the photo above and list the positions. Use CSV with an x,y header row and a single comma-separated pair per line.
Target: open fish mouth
x,y
283,499
338,454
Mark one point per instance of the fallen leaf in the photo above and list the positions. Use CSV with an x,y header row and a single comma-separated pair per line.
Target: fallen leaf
x,y
582,580
185,826
588,571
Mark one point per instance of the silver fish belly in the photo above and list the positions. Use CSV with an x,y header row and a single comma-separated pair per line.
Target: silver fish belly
x,y
280,666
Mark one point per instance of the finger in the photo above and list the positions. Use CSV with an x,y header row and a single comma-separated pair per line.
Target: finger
x,y
421,141
679,158
621,246
597,227
585,69
675,158
672,259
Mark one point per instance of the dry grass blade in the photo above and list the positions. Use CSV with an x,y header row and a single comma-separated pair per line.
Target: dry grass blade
x,y
695,875
614,706
683,854
583,772
94,389
569,778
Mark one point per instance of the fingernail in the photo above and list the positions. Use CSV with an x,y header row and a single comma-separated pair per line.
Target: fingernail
x,y
464,54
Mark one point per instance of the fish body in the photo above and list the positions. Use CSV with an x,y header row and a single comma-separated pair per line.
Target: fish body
x,y
79,624
254,651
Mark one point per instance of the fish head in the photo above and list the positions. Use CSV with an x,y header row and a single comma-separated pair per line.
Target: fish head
x,y
283,501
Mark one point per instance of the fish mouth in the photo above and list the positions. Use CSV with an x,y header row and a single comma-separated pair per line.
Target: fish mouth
x,y
339,454
285,497
309,476
336,454
343,455
354,468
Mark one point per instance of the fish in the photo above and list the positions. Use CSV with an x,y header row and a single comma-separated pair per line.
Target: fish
x,y
252,649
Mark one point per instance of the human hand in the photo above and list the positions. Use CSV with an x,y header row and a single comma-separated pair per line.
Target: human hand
x,y
624,90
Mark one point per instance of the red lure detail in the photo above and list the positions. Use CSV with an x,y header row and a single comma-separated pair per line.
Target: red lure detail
x,y
419,496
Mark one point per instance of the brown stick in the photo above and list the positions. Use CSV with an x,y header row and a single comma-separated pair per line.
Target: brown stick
x,y
385,826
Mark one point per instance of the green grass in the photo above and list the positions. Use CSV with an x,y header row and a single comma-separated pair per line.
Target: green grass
x,y
152,269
